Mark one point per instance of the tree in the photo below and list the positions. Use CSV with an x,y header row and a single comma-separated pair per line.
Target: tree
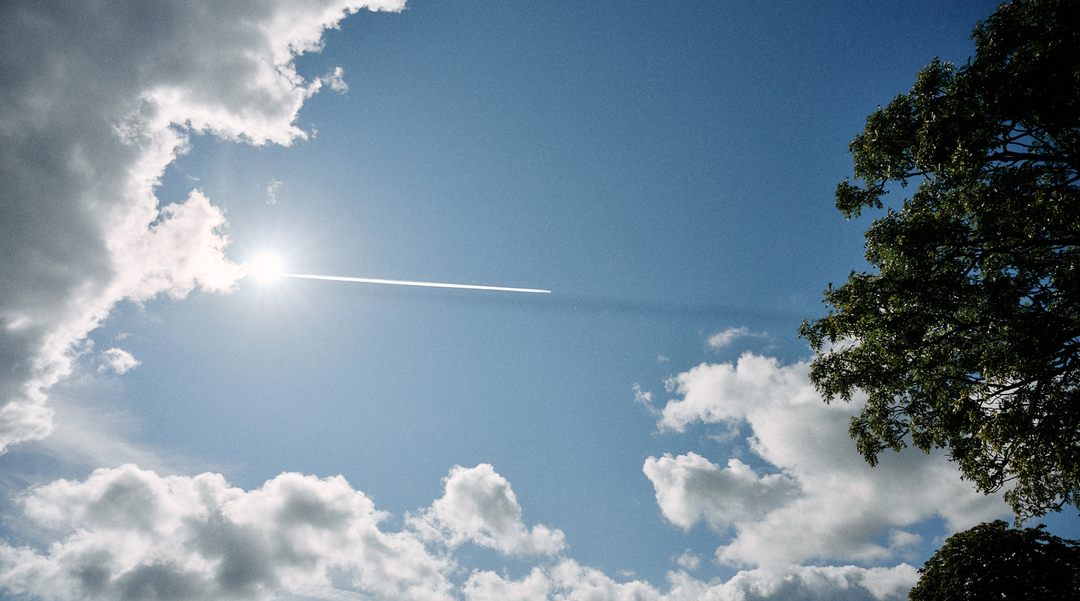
x,y
967,337
992,561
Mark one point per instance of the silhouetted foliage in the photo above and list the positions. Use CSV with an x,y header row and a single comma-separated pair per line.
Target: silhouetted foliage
x,y
968,336
993,561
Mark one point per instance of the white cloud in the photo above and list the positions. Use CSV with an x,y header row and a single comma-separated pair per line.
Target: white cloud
x,y
118,360
690,487
688,560
95,103
570,581
479,506
129,533
834,583
722,339
645,398
489,586
824,502
271,191
335,81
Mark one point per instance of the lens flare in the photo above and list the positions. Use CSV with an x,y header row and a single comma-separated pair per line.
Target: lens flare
x,y
266,267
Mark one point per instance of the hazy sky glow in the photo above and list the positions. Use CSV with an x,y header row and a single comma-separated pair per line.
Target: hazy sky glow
x,y
191,411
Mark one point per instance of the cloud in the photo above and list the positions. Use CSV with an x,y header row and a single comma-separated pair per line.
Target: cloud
x,y
89,435
335,81
645,398
690,487
571,581
688,560
824,502
118,360
271,191
479,506
489,586
94,104
722,339
129,533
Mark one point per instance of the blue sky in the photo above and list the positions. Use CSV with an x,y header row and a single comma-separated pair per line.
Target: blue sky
x,y
667,171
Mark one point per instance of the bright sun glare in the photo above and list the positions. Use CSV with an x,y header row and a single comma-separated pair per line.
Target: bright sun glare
x,y
266,267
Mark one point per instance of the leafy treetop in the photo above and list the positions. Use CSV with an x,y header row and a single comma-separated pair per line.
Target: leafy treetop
x,y
993,561
967,337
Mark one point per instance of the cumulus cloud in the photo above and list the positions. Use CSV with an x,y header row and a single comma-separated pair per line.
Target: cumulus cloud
x,y
571,581
94,104
690,487
118,360
479,506
489,586
823,502
129,533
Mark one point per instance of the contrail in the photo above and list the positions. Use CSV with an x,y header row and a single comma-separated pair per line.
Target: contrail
x,y
335,278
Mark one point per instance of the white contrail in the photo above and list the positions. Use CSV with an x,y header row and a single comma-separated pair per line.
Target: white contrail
x,y
335,278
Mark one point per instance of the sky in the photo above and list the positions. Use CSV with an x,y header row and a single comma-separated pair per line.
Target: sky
x,y
173,428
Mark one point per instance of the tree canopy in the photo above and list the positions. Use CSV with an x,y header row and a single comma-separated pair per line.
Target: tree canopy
x,y
966,335
993,561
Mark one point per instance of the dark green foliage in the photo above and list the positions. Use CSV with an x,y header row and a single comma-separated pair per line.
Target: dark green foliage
x,y
993,561
967,337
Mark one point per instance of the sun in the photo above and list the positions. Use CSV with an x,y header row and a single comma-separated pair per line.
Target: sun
x,y
266,267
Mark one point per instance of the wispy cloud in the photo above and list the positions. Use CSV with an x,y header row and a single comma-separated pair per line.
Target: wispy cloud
x,y
721,339
688,560
118,360
272,188
335,80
